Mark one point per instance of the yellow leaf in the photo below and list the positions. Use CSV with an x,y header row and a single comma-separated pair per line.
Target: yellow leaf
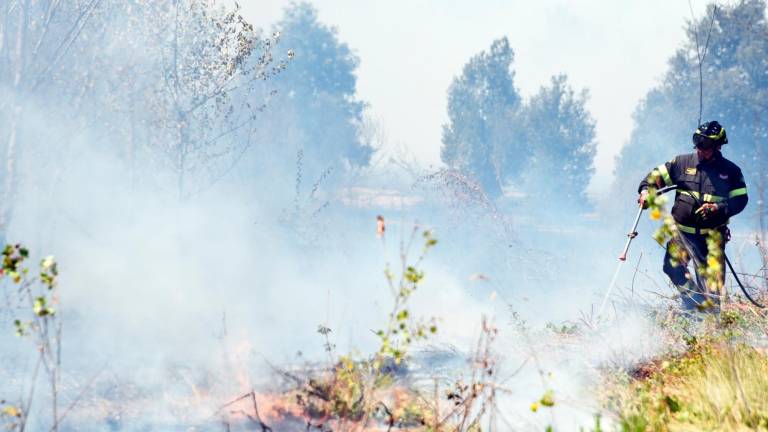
x,y
548,399
11,411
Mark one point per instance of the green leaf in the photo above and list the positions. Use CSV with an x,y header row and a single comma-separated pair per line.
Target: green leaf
x,y
40,307
673,405
548,400
412,275
20,328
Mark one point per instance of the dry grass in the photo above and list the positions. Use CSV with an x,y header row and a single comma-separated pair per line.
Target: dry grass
x,y
719,383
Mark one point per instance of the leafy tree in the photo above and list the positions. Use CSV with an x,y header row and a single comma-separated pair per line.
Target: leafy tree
x,y
480,137
545,145
662,129
560,133
162,80
317,95
207,59
735,84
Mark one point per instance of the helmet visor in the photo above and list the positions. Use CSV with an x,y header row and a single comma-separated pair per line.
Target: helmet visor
x,y
703,142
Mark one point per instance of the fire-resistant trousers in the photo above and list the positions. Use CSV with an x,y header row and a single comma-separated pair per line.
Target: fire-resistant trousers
x,y
692,294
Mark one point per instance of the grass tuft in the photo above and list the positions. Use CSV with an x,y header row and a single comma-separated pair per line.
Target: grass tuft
x,y
719,382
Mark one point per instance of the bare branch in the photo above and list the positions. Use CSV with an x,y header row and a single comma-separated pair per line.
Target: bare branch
x,y
78,398
68,40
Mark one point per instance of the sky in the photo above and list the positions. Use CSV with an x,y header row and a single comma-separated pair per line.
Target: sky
x,y
411,50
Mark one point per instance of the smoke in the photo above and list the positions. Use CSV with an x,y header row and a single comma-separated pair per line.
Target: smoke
x,y
153,289
172,306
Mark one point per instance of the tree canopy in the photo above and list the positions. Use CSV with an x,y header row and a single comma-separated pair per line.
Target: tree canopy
x,y
560,133
545,143
735,92
482,103
319,90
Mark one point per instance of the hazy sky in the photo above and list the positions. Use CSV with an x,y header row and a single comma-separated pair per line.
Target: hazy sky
x,y
410,50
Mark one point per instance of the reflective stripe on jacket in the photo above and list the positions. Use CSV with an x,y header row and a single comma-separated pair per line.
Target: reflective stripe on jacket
x,y
717,180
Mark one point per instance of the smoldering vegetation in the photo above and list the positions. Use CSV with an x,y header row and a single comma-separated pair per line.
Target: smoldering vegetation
x,y
210,192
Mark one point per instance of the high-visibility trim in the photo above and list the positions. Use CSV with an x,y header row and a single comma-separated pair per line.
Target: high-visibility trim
x,y
737,192
719,135
714,137
665,175
706,197
692,230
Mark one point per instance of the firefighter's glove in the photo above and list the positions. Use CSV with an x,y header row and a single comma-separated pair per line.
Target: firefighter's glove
x,y
643,198
706,210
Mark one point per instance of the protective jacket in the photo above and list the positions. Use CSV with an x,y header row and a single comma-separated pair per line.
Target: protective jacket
x,y
716,180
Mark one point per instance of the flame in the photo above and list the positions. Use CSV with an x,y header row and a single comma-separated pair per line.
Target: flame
x,y
225,394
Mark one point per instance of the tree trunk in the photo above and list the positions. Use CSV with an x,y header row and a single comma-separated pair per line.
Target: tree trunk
x,y
183,149
9,179
18,59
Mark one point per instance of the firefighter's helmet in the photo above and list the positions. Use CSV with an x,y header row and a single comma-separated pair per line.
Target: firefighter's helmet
x,y
709,135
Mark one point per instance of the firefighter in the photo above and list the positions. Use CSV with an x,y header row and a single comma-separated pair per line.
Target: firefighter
x,y
710,190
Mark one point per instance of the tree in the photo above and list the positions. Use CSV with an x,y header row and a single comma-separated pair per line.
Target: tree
x,y
482,102
207,60
317,96
560,133
37,42
735,90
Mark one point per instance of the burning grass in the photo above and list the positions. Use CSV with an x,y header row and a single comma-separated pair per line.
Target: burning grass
x,y
351,393
375,392
374,395
333,403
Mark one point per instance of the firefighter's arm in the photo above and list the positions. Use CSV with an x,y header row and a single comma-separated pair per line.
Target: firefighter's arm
x,y
737,197
661,176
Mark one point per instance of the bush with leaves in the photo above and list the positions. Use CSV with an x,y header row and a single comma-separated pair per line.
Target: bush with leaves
x,y
352,390
34,295
376,391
